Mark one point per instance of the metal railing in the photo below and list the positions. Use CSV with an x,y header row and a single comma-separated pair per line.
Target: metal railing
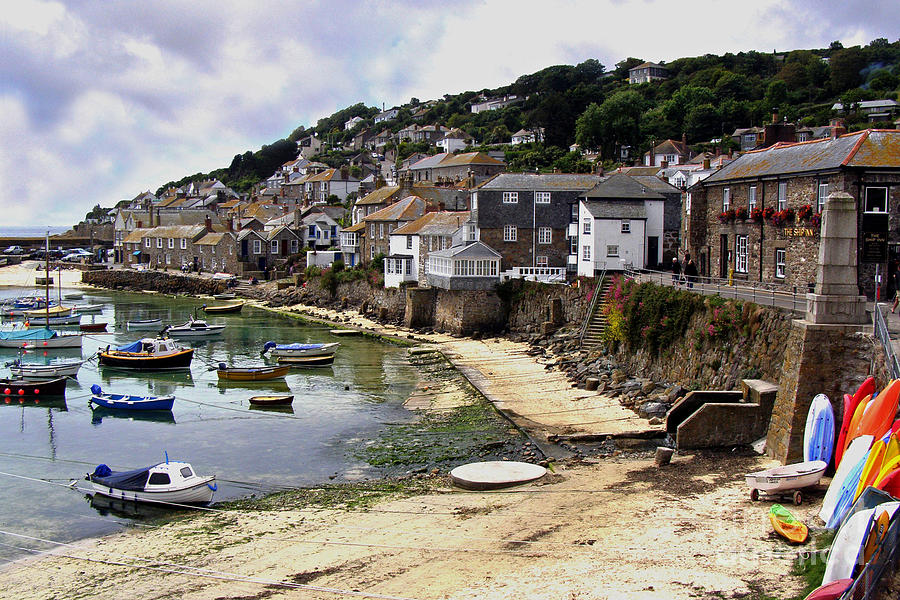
x,y
764,294
590,312
884,336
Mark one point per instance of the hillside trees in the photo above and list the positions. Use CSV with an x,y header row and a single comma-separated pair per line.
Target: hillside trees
x,y
614,123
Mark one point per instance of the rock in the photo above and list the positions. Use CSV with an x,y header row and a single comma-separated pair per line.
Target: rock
x,y
653,409
647,387
656,421
591,384
618,376
663,456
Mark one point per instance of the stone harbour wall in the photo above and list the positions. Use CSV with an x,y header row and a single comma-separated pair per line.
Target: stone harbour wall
x,y
153,281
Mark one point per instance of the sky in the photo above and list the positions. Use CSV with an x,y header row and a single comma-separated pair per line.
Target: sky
x,y
100,101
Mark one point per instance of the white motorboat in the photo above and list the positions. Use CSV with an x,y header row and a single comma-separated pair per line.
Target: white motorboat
x,y
73,296
51,371
300,350
167,482
62,320
144,324
40,338
87,308
194,328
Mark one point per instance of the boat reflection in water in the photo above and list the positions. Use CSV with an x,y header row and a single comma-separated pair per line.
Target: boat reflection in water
x,y
127,509
158,416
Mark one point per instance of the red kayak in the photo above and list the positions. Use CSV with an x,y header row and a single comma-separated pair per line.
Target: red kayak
x,y
830,591
850,403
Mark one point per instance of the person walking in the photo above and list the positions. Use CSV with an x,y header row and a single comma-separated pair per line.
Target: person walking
x,y
676,270
894,283
690,271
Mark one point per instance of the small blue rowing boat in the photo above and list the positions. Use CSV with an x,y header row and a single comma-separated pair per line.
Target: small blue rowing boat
x,y
126,402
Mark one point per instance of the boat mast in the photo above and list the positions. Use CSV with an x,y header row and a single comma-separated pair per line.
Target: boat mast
x,y
47,280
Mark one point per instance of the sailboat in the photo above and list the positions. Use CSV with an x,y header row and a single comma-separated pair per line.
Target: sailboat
x,y
36,337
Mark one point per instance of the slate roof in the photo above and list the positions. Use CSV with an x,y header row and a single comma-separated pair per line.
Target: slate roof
x,y
620,186
473,250
541,182
617,209
211,239
451,160
656,184
361,226
870,148
379,196
408,209
434,223
176,231
136,236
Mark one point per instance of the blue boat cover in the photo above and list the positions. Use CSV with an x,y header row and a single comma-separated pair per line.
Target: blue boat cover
x,y
269,345
28,334
123,480
132,347
96,389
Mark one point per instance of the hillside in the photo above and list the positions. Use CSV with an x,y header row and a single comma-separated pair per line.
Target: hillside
x,y
705,98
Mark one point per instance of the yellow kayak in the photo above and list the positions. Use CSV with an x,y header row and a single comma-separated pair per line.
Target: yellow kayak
x,y
785,524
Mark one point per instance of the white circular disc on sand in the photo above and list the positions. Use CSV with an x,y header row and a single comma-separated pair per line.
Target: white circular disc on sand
x,y
495,474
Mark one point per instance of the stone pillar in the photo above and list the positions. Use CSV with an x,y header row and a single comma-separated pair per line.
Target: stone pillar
x,y
836,299
826,351
419,307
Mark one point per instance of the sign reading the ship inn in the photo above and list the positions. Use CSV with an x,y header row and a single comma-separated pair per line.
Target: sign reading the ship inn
x,y
874,237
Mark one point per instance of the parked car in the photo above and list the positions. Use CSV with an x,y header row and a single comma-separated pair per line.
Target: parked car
x,y
14,250
77,255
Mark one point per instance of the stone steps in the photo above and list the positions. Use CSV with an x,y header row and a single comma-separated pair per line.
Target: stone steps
x,y
593,335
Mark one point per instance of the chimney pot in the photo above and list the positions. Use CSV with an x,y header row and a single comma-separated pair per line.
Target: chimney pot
x,y
705,164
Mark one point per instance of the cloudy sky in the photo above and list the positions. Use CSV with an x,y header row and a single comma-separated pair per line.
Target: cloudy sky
x,y
102,100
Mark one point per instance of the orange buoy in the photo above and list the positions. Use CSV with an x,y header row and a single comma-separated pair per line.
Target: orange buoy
x,y
37,391
21,392
6,391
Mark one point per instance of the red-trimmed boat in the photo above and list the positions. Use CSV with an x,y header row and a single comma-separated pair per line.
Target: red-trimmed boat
x,y
148,354
22,387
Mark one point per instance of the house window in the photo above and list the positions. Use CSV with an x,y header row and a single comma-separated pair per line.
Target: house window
x,y
573,245
779,262
381,231
509,233
147,242
751,198
586,228
311,235
876,199
409,242
671,159
573,214
257,246
726,199
159,242
372,231
470,233
626,226
295,246
740,254
586,253
510,197
612,250
168,259
274,246
408,264
542,261
782,195
821,196
171,242
545,235
183,243
542,197
372,253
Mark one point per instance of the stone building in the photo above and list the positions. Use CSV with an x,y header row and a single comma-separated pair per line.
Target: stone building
x,y
455,167
170,247
411,243
526,217
757,219
216,252
374,238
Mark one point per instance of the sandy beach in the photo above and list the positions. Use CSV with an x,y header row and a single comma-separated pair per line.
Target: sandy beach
x,y
600,527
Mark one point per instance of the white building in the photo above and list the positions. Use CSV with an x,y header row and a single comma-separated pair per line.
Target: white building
x,y
620,223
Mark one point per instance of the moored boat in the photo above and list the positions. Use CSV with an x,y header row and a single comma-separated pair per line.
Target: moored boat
x,y
144,324
87,308
171,482
73,296
222,309
22,387
300,350
92,326
148,354
50,311
38,337
130,402
60,320
273,400
195,328
306,361
251,373
51,371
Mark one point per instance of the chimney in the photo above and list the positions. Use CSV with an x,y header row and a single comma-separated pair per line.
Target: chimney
x,y
775,115
837,131
600,169
229,224
684,138
652,155
705,164
441,206
140,224
664,164
208,224
345,172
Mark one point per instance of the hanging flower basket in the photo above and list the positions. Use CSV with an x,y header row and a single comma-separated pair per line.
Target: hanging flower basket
x,y
740,213
805,213
756,215
727,216
783,217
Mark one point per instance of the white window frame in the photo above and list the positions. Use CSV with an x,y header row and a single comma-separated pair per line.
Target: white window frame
x,y
381,231
585,253
372,231
510,197
273,246
542,261
626,226
295,246
545,235
510,233
821,195
780,260
782,195
573,245
159,242
542,197
726,199
171,243
257,246
882,188
612,250
687,203
183,243
147,242
409,243
751,198
741,253
586,226
168,258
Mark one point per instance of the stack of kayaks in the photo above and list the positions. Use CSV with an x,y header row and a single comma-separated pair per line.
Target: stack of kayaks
x,y
818,438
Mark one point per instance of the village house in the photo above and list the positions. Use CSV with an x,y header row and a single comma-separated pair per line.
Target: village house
x,y
527,136
387,115
757,218
526,217
375,238
350,243
310,146
260,251
171,246
436,198
465,265
454,140
875,110
330,182
133,248
411,243
669,152
319,226
647,72
620,225
216,252
455,167
495,103
351,122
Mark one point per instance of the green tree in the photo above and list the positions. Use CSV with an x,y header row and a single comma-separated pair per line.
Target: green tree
x,y
845,67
